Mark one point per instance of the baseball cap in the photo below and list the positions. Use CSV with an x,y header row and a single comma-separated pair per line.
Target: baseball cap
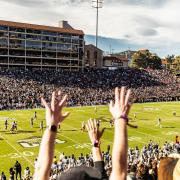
x,y
81,173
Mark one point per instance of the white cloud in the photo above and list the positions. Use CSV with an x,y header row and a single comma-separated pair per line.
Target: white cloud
x,y
146,22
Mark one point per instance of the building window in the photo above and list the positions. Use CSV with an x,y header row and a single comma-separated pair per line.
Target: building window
x,y
4,28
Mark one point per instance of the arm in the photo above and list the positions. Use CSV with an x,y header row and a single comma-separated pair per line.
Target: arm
x,y
94,135
54,116
119,111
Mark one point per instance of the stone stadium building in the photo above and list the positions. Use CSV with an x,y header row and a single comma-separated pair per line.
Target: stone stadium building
x,y
37,46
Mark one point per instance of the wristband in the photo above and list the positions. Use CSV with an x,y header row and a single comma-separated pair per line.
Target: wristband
x,y
52,128
96,143
124,117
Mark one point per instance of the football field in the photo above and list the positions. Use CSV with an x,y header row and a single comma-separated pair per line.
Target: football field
x,y
23,145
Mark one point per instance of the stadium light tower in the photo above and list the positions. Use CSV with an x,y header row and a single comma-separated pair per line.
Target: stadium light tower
x,y
97,4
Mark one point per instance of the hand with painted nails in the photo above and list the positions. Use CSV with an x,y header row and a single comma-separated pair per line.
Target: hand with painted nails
x,y
54,114
121,106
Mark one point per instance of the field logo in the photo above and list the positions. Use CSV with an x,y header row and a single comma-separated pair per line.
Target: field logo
x,y
35,142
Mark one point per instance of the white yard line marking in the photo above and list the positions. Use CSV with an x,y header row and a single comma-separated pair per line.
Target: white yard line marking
x,y
163,120
108,140
72,140
78,129
142,142
67,138
27,160
155,129
149,135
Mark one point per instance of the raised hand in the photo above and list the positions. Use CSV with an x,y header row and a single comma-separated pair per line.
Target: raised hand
x,y
120,108
54,114
93,131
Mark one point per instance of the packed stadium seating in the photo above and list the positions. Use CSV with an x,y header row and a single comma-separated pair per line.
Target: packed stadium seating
x,y
21,89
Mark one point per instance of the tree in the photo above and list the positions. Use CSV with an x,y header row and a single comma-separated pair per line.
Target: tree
x,y
170,59
155,62
145,59
177,63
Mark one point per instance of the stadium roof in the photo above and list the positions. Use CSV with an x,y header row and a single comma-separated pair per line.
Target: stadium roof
x,y
40,27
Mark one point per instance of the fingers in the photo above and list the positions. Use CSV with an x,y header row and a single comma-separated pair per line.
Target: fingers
x,y
121,102
117,97
127,97
53,99
44,103
56,100
101,133
58,96
87,127
91,125
128,107
122,96
59,93
111,104
63,101
65,115
95,124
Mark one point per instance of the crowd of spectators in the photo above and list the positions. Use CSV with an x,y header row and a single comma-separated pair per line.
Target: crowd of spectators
x,y
21,89
29,88
142,163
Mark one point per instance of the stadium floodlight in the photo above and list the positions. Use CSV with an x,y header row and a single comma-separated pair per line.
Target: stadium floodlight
x,y
97,4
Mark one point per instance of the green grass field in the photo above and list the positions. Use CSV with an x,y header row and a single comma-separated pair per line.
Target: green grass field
x,y
24,145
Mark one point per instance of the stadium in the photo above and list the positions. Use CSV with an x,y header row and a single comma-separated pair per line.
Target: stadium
x,y
112,118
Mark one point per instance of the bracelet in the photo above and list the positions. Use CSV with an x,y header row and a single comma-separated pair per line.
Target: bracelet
x,y
96,143
124,117
52,128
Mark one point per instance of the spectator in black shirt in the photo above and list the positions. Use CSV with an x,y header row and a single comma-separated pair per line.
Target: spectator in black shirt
x,y
17,168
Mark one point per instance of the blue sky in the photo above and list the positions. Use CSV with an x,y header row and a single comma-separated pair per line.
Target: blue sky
x,y
118,45
133,24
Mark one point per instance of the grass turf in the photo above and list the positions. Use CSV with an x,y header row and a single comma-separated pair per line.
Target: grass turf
x,y
70,138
